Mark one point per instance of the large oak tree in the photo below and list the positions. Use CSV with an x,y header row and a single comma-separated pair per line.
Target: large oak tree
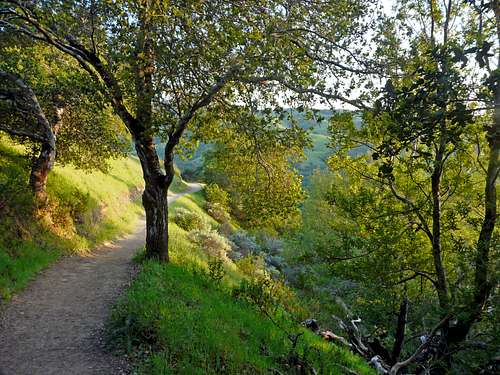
x,y
160,62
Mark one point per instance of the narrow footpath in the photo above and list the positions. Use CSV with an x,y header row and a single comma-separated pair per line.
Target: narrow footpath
x,y
55,326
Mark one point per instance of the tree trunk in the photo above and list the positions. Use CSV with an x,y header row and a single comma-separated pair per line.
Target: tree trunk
x,y
482,283
442,288
400,331
154,200
40,171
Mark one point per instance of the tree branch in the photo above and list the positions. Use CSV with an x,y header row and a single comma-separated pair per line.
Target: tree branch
x,y
400,365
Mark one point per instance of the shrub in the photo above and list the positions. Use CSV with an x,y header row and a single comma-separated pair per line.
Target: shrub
x,y
244,243
215,194
226,229
216,270
269,295
218,212
252,266
211,242
272,245
189,220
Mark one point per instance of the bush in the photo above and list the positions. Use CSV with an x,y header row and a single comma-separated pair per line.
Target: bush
x,y
272,245
189,220
216,271
226,229
218,212
269,295
252,266
244,243
215,194
211,242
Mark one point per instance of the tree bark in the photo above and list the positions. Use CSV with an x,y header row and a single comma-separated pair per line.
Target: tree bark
x,y
44,163
154,199
40,171
400,331
482,283
442,288
25,100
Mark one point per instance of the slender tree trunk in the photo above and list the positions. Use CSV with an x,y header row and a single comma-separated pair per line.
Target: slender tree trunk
x,y
40,171
482,286
442,288
400,331
482,282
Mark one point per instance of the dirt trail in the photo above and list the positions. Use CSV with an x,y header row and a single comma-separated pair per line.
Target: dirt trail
x,y
55,325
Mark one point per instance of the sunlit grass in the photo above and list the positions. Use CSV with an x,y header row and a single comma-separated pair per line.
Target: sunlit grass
x,y
84,209
175,320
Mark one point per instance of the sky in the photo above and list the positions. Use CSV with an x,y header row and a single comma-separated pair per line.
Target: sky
x,y
388,9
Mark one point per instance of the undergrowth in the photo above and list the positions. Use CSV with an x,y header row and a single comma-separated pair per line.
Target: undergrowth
x,y
203,315
83,210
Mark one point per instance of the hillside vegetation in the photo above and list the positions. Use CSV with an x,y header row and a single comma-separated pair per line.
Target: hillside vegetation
x,y
192,165
205,315
84,209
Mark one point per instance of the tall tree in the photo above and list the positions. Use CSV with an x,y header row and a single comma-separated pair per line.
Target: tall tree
x,y
423,133
159,63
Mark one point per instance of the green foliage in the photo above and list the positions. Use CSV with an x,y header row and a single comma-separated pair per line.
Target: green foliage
x,y
89,134
253,161
427,107
211,242
83,210
188,220
252,265
194,203
315,156
218,212
215,194
216,270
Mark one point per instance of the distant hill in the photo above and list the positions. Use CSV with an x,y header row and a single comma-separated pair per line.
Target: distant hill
x,y
191,168
316,157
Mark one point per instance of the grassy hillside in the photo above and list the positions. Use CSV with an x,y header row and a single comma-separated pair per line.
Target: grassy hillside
x,y
179,319
84,209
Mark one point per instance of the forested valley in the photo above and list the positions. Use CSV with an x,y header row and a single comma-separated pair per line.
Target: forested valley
x,y
249,187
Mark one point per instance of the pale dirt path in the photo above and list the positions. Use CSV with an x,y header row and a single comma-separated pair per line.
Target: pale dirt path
x,y
55,325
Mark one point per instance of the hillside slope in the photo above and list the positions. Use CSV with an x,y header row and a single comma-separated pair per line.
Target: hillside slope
x,y
205,315
84,209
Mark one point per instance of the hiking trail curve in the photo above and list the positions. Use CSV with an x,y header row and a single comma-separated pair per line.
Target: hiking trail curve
x,y
55,325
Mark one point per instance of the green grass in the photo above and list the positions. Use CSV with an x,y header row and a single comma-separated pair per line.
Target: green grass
x,y
84,209
175,319
316,157
195,203
178,184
